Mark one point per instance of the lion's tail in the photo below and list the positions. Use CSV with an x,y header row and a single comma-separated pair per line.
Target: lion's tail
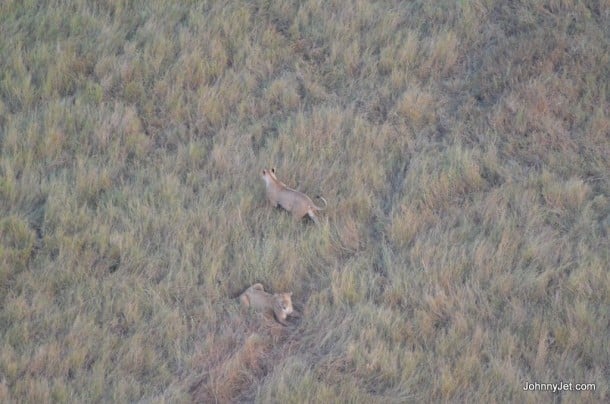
x,y
325,203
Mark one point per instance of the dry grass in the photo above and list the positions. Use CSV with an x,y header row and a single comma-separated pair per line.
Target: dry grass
x,y
462,147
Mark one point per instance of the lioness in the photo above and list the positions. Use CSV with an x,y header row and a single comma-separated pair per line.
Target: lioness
x,y
293,201
278,303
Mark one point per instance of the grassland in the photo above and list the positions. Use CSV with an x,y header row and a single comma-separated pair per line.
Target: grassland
x,y
462,146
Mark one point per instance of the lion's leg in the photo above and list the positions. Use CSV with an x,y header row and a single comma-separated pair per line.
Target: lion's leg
x,y
312,216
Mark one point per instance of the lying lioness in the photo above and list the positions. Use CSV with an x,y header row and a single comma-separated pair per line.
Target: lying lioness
x,y
280,304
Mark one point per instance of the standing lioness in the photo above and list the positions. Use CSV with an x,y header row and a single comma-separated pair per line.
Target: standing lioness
x,y
280,304
293,201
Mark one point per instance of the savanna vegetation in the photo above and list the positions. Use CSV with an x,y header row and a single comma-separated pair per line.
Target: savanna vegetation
x,y
462,147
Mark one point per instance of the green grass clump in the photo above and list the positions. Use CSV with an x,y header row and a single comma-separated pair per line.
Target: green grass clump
x,y
462,148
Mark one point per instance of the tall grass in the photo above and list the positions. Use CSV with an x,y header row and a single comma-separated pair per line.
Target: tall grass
x,y
462,147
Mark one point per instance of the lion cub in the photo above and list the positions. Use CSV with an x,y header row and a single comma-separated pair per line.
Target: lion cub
x,y
278,303
293,201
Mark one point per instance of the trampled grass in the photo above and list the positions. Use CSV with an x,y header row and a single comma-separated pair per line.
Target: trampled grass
x,y
462,148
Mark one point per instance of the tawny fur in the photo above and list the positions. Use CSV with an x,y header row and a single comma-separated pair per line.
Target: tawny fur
x,y
280,304
291,200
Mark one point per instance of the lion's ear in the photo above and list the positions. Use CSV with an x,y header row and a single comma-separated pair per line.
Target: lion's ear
x,y
264,172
